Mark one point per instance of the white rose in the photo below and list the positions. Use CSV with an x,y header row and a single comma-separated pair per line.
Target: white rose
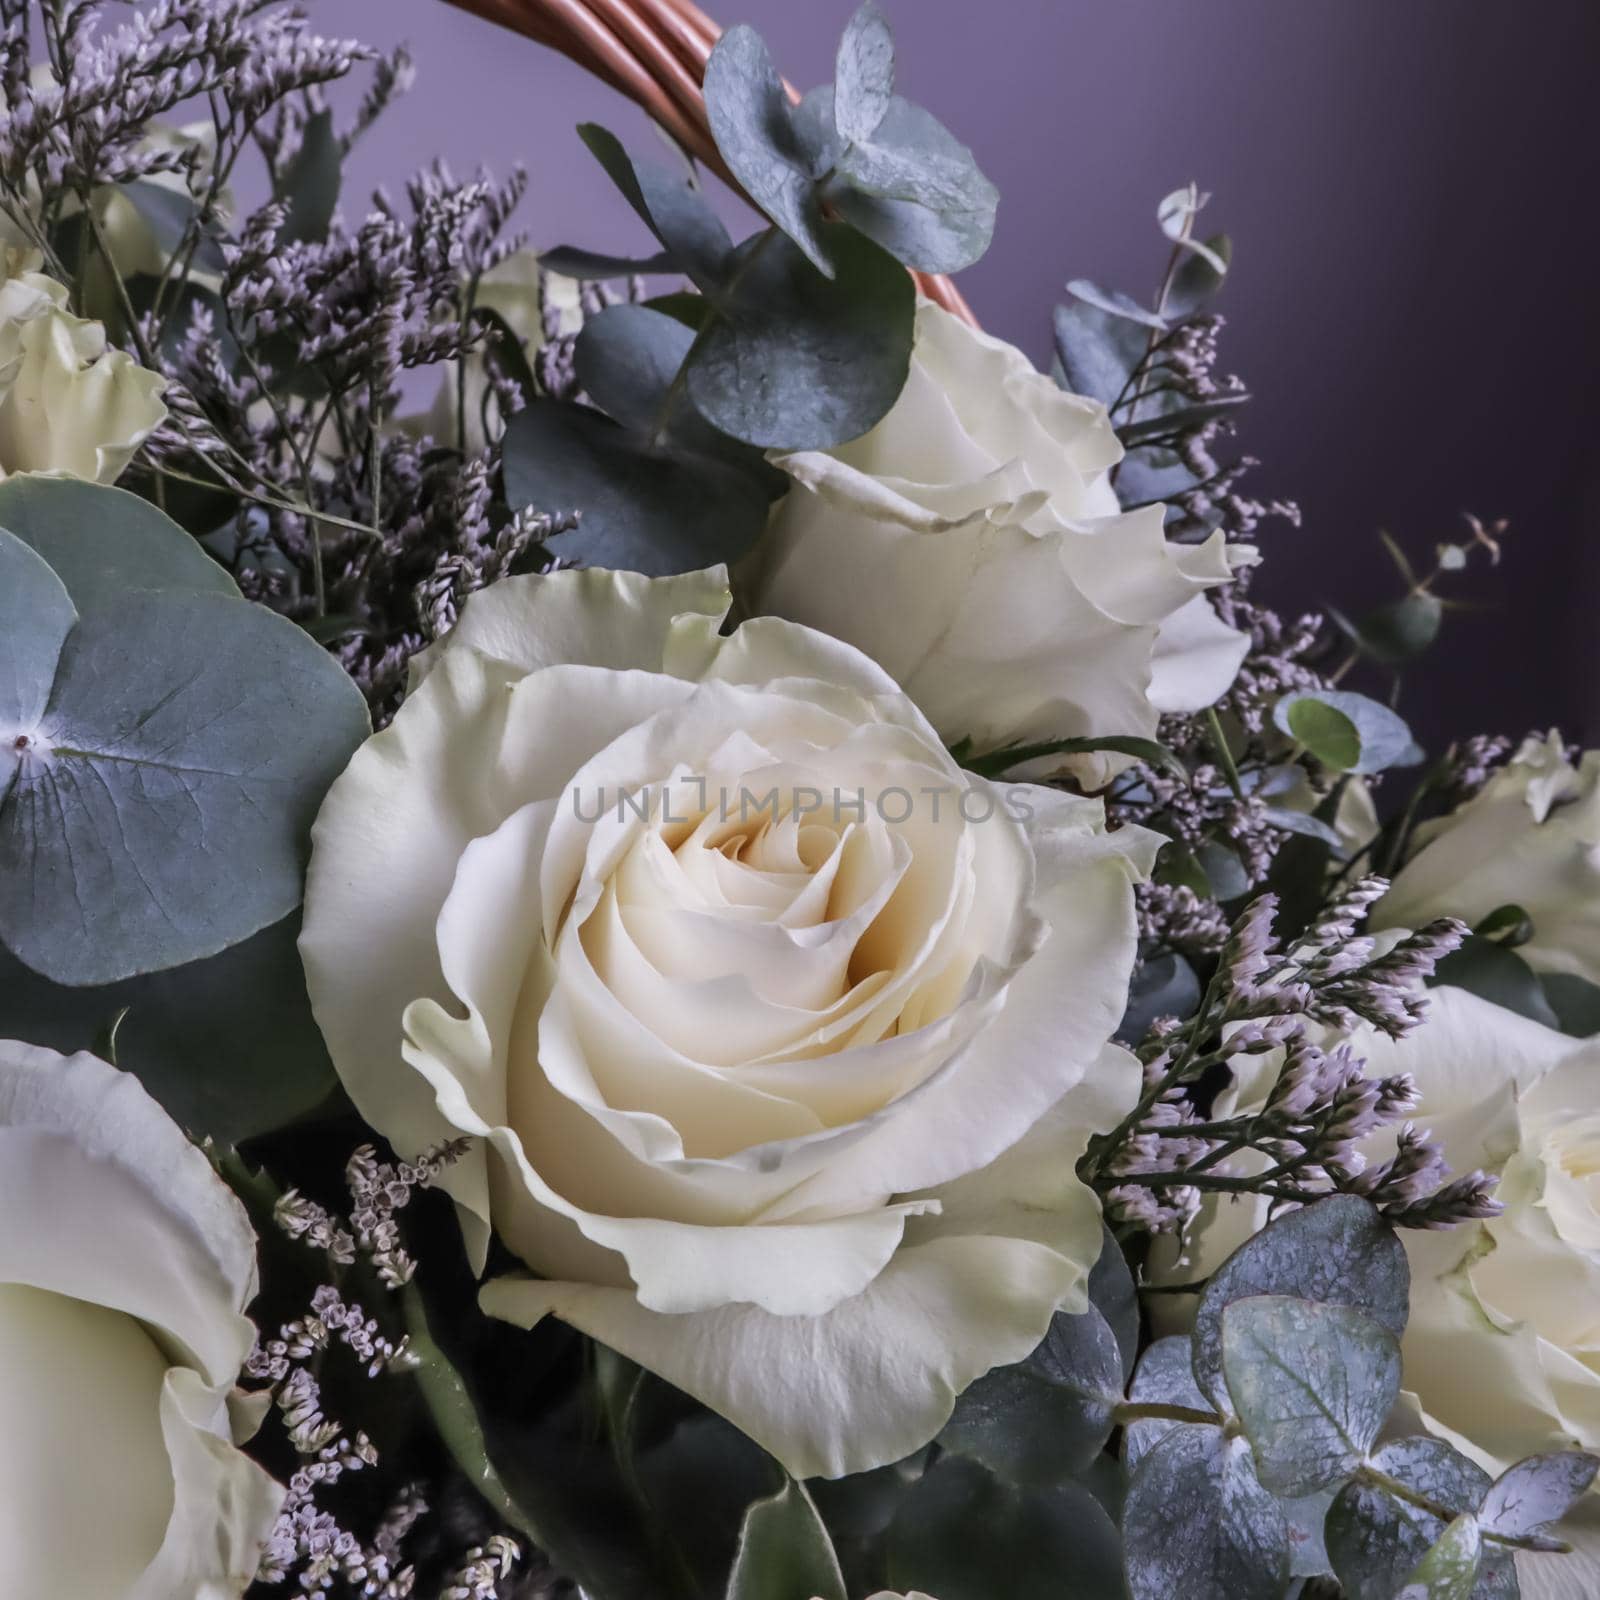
x,y
1530,837
781,1098
1502,1349
68,406
971,543
125,1268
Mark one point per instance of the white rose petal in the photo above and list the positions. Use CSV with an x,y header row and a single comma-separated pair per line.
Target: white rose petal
x,y
787,1091
1531,838
972,544
122,1332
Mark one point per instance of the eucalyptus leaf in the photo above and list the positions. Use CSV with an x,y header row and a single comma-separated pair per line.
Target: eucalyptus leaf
x,y
674,210
1449,1571
1538,1492
1338,1251
573,262
1398,632
1180,419
1312,1385
1227,877
101,542
1164,1376
1113,1293
1574,1002
1116,304
1047,1417
627,358
1163,985
1345,731
645,506
157,810
796,361
227,1045
917,190
169,214
1308,826
996,763
1375,1539
1200,275
309,184
1492,972
1097,351
36,618
1198,1524
960,1528
863,75
784,1551
751,120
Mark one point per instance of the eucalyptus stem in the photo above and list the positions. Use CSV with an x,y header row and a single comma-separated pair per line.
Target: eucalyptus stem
x,y
1367,1473
1156,1411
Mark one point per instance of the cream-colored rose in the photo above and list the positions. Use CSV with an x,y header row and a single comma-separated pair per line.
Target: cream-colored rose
x,y
780,1096
125,1269
68,406
971,543
1530,837
1502,1349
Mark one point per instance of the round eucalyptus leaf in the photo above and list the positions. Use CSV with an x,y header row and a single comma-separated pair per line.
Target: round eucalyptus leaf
x,y
1346,731
1097,351
1163,985
645,507
169,214
1045,1418
1538,1492
863,74
227,1045
1198,1524
1113,1293
1312,1385
1375,1539
1489,970
1574,1002
626,359
36,616
960,1531
795,361
1164,1376
1338,1251
1200,275
751,120
1449,1571
101,542
917,190
1116,304
161,809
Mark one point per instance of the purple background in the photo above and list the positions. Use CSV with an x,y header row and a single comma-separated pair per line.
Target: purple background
x,y
1411,192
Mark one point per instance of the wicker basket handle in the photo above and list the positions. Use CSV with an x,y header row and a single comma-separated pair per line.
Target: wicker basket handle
x,y
653,51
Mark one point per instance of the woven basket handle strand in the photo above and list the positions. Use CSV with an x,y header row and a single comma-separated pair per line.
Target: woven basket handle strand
x,y
653,51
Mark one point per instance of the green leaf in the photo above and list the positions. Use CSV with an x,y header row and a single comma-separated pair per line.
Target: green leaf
x,y
1449,1571
1538,1492
963,1534
996,763
101,542
1199,1525
1116,304
863,75
1399,632
1574,1001
160,809
227,1045
1508,925
1165,1376
1338,1251
1494,973
310,183
572,262
751,120
169,214
1045,1418
1200,275
1346,731
796,361
1312,1385
1375,1539
674,210
785,1552
916,189
1097,351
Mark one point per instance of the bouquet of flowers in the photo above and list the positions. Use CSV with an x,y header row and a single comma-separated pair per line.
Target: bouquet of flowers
x,y
670,929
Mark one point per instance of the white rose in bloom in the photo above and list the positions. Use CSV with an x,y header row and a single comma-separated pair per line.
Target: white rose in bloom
x,y
781,1097
1530,837
68,406
971,543
125,1268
